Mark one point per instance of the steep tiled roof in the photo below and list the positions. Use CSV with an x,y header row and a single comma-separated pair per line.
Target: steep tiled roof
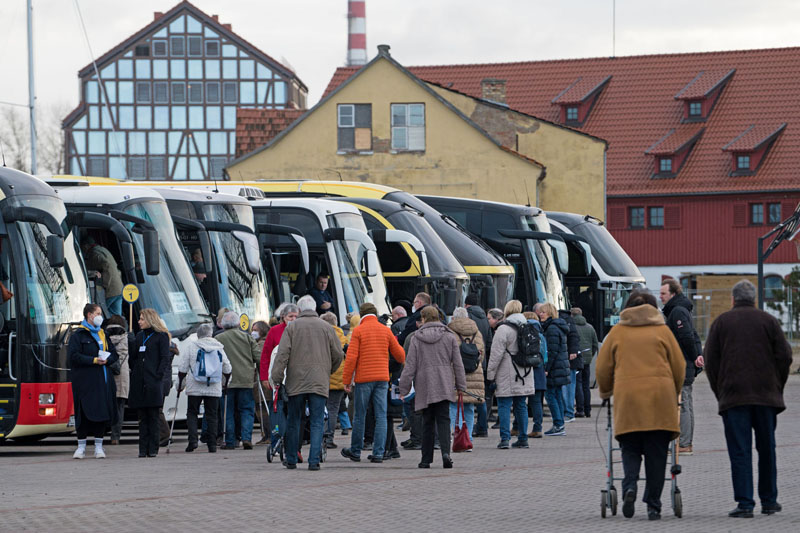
x,y
256,127
753,137
676,140
638,107
580,89
702,84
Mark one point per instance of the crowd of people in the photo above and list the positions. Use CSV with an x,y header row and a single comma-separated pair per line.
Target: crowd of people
x,y
437,374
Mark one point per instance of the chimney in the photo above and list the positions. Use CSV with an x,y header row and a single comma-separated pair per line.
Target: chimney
x,y
383,50
494,90
227,27
157,15
215,18
356,33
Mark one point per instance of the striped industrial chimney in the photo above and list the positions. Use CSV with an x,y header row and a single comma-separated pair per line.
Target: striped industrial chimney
x,y
357,33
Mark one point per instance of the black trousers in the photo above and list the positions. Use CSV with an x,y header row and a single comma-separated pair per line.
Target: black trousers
x,y
654,446
89,427
416,424
148,430
211,417
435,417
583,394
391,441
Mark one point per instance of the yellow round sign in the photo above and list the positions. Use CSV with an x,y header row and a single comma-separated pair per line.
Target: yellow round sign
x,y
244,322
130,293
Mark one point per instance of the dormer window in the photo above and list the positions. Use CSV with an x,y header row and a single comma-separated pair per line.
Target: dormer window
x,y
578,98
572,114
702,92
743,162
750,147
670,152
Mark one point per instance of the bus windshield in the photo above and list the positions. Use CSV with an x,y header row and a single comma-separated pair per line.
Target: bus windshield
x,y
609,254
240,290
173,293
549,286
56,296
356,252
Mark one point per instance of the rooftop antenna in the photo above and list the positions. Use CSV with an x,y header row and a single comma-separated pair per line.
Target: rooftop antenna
x,y
527,192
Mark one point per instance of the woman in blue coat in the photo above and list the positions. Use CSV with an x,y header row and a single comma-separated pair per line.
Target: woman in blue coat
x,y
149,359
557,366
93,390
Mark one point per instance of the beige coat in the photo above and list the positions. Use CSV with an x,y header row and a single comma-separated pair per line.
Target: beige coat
x,y
466,328
123,379
500,369
308,354
642,366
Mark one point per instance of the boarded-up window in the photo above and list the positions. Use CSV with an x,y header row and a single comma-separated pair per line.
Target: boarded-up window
x,y
672,217
96,166
159,48
408,127
354,127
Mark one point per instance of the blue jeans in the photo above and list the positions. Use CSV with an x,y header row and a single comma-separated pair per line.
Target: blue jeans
x,y
377,393
504,405
316,419
469,416
344,420
569,396
247,409
114,305
740,423
535,404
483,418
555,401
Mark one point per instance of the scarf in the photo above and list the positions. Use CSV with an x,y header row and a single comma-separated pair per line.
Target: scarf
x,y
100,336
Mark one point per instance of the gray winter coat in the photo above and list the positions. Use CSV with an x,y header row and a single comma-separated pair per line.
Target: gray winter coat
x,y
588,337
120,342
433,364
501,369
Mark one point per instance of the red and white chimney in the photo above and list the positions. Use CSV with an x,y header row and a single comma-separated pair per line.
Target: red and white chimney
x,y
356,33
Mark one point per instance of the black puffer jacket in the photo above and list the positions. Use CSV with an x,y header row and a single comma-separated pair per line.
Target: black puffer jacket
x,y
557,367
678,314
573,340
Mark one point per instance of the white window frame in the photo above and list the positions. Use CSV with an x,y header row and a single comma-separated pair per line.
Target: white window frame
x,y
339,116
407,128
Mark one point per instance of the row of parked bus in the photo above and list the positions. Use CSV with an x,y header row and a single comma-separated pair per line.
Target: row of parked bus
x,y
196,247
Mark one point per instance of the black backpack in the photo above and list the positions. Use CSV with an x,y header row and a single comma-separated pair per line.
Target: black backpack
x,y
470,355
529,355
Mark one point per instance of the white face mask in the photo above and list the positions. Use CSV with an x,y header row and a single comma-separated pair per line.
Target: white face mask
x,y
413,309
98,320
254,334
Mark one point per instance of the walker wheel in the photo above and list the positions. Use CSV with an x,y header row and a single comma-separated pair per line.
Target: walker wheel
x,y
603,503
614,501
677,503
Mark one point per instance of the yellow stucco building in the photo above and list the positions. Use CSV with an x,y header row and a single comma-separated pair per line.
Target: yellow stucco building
x,y
384,125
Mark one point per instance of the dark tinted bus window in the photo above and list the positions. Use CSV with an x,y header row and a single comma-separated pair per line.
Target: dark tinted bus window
x,y
493,221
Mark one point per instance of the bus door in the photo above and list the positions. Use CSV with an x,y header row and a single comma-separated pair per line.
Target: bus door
x,y
272,259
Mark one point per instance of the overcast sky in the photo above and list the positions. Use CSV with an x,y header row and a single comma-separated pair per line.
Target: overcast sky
x,y
311,35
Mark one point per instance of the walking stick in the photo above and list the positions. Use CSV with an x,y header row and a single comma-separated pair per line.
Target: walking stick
x,y
261,405
174,416
224,417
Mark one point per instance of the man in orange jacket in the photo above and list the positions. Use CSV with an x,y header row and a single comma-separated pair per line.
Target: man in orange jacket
x,y
367,365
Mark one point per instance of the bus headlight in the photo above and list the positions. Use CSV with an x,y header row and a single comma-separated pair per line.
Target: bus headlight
x,y
47,399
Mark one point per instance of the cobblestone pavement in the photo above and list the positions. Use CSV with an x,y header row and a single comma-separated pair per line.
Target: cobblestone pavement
x,y
554,485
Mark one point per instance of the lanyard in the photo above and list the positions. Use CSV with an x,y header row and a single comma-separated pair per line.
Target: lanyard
x,y
146,339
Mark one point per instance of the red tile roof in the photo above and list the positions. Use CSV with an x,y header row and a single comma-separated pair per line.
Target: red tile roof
x,y
638,107
753,137
256,127
705,82
676,139
580,89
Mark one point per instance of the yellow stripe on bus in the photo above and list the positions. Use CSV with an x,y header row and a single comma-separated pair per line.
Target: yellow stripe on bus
x,y
499,269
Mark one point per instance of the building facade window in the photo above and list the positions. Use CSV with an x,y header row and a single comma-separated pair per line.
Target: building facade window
x,y
743,162
773,288
665,164
756,214
159,87
636,217
656,217
408,127
695,109
774,213
354,127
572,114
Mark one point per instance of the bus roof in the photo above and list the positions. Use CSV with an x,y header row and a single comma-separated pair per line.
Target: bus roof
x,y
16,183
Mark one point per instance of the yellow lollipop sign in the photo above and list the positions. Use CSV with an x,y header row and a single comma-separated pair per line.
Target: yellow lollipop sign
x,y
244,322
130,293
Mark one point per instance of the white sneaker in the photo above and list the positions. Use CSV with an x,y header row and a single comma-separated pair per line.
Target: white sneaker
x,y
99,453
568,420
80,453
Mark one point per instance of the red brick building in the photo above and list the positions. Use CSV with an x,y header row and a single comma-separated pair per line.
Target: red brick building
x,y
703,147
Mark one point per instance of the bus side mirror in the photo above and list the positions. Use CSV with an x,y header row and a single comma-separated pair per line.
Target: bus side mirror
x,y
55,251
371,263
151,251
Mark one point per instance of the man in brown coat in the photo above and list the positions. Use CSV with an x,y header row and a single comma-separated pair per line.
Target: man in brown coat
x,y
747,361
308,354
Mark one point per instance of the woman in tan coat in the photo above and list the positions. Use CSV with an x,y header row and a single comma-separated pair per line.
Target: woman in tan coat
x,y
467,331
117,332
642,366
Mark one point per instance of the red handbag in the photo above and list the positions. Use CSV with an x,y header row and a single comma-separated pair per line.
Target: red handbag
x,y
461,440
